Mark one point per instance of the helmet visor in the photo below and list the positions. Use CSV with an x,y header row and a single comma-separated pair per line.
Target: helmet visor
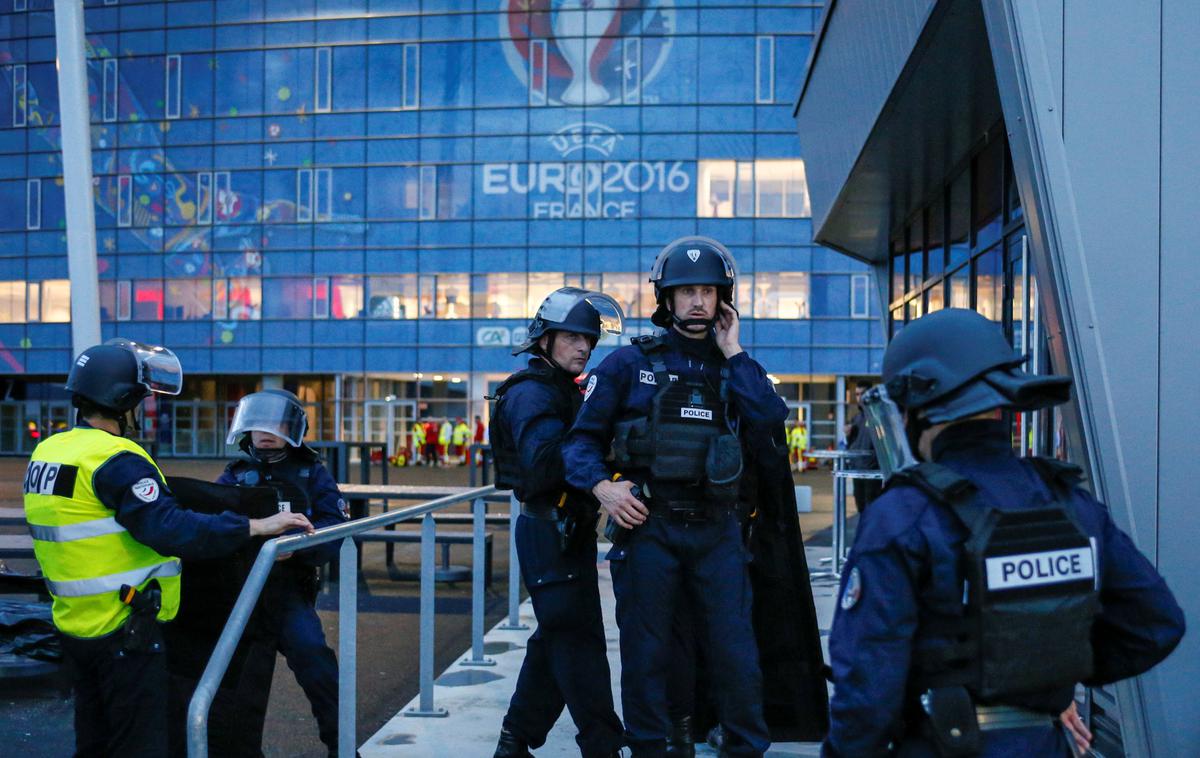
x,y
158,368
271,413
561,302
886,426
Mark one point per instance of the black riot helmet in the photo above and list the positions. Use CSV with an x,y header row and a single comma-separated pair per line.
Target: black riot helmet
x,y
116,376
571,309
691,260
955,363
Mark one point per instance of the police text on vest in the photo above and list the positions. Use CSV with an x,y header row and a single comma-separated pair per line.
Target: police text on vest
x,y
40,478
700,413
1008,572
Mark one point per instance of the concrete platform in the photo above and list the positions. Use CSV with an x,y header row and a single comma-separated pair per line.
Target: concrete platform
x,y
476,698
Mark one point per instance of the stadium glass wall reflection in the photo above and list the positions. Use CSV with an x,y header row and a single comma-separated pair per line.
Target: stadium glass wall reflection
x,y
364,201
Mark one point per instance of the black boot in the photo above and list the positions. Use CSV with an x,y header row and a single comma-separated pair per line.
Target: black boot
x,y
511,746
680,743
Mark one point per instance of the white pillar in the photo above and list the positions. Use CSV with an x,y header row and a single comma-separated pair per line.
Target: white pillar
x,y
77,175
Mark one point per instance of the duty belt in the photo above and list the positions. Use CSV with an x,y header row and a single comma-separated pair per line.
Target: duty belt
x,y
542,512
995,717
687,511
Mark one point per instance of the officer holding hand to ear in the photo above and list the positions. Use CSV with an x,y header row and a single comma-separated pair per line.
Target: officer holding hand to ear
x,y
983,586
674,410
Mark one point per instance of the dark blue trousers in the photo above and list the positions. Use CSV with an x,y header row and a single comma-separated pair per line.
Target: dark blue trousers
x,y
302,642
566,658
663,560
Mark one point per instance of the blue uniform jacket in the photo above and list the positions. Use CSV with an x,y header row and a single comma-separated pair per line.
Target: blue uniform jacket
x,y
622,387
905,561
532,412
325,506
160,523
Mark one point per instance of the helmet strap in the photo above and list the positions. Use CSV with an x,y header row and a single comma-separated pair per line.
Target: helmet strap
x,y
686,323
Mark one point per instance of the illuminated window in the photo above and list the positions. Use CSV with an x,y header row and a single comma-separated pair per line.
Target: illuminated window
x,y
392,297
12,302
148,300
714,189
624,288
188,299
347,301
542,284
244,298
782,294
762,189
56,301
781,189
501,295
453,296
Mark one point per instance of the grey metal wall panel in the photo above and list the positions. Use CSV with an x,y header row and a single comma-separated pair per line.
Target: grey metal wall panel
x,y
1111,132
863,50
1179,363
1051,12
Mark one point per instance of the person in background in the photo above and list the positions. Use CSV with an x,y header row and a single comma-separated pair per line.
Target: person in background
x,y
461,438
445,436
418,443
859,439
109,535
269,428
431,444
798,444
479,438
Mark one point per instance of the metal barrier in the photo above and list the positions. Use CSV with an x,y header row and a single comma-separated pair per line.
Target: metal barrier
x,y
197,724
838,530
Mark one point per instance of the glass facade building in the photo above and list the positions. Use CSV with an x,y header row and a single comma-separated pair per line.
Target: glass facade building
x,y
365,200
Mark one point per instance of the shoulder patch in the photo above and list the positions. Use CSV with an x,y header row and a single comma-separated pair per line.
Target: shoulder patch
x,y
591,386
853,591
344,507
145,490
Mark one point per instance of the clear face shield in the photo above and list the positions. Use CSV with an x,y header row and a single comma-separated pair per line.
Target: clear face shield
x,y
158,368
558,306
885,421
271,413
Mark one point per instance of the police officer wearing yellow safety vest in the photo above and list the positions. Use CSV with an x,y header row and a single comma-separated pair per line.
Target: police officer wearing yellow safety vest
x,y
109,537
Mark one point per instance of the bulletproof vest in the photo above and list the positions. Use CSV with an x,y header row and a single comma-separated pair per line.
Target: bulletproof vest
x,y
672,443
506,457
289,478
1030,594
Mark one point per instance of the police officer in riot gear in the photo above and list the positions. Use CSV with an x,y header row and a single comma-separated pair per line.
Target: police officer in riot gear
x,y
109,536
269,427
566,660
983,586
674,409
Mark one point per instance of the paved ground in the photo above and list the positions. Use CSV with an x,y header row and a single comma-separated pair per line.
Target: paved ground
x,y
475,698
36,722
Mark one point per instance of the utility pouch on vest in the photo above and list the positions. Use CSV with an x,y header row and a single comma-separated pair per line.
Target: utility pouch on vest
x,y
952,725
141,633
685,417
723,469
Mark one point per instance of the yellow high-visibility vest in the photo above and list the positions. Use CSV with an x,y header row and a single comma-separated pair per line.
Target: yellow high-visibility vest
x,y
418,434
462,433
84,553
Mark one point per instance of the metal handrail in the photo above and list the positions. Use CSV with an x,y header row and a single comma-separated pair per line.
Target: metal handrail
x,y
214,672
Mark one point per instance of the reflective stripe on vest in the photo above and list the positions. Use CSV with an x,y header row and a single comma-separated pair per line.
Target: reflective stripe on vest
x,y
113,582
84,553
72,532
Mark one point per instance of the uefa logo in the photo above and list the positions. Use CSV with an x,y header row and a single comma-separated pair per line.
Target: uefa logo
x,y
586,52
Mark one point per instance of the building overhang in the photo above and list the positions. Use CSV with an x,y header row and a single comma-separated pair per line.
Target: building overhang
x,y
895,96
